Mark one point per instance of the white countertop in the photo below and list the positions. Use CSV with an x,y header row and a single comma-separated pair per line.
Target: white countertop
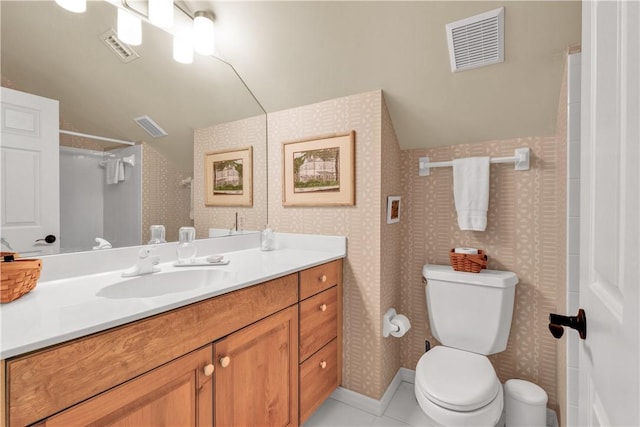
x,y
69,307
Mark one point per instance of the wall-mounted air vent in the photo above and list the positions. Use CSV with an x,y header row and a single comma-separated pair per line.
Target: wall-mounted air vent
x,y
150,126
476,41
119,48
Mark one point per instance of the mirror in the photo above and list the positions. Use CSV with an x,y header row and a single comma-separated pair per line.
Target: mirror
x,y
102,87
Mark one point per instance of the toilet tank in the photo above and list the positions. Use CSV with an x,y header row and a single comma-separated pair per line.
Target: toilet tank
x,y
470,311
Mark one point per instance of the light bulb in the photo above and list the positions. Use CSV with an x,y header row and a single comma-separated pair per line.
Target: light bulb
x,y
183,47
129,28
203,33
76,6
161,13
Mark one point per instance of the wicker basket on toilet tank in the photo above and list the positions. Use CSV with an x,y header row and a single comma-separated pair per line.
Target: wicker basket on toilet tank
x,y
470,263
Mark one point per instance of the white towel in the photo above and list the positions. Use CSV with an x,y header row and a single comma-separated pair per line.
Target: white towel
x,y
114,171
120,168
111,171
471,192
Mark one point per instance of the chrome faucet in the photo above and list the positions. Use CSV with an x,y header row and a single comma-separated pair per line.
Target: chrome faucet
x,y
102,244
146,264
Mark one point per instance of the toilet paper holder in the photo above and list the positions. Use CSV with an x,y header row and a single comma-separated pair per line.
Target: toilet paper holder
x,y
391,328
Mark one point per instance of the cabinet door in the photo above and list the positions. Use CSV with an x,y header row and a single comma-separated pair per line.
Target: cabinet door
x,y
178,393
256,381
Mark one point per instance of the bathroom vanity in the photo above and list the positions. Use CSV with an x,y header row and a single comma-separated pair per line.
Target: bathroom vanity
x,y
264,354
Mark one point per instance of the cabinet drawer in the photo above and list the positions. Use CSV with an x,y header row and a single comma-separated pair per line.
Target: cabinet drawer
x,y
319,278
318,379
318,321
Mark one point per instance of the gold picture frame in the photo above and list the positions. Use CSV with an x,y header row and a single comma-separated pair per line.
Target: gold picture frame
x,y
229,177
319,171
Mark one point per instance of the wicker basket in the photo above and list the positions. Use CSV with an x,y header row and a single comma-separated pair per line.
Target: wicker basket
x,y
18,277
470,263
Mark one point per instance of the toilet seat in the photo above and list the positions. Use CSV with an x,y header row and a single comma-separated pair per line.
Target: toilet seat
x,y
456,379
458,388
487,416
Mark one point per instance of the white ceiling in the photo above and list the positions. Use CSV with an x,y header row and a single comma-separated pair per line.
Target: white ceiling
x,y
296,53
54,53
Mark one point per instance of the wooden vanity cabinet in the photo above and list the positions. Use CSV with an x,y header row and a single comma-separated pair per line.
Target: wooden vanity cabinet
x,y
320,350
249,378
40,384
227,361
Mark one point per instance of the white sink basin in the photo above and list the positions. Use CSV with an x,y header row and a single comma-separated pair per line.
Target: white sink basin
x,y
171,282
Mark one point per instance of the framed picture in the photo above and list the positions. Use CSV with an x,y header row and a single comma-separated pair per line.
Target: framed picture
x,y
393,209
319,171
229,177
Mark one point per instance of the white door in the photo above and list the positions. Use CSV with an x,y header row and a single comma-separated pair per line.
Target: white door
x,y
29,165
609,389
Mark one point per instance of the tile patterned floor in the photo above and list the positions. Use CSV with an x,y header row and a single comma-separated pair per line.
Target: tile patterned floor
x,y
403,411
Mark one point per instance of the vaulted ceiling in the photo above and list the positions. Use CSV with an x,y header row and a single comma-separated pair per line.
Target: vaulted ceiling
x,y
292,54
296,53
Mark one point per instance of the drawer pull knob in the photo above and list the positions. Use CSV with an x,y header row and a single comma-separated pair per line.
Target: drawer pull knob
x,y
323,364
323,307
208,370
224,361
323,278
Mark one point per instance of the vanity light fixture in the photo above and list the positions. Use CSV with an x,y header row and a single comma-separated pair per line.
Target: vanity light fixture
x,y
129,28
161,13
183,47
203,33
197,35
75,6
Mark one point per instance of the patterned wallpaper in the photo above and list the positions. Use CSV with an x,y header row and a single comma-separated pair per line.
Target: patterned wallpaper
x,y
164,199
390,241
561,291
364,351
238,134
525,234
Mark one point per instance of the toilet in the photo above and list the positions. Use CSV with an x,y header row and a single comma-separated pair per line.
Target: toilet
x,y
470,315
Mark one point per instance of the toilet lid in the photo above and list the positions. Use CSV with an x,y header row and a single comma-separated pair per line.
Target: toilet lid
x,y
456,379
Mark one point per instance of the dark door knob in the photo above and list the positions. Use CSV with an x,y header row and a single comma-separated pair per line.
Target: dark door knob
x,y
579,323
48,239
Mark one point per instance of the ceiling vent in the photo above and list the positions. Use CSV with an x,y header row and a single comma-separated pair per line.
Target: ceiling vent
x,y
476,41
150,126
118,47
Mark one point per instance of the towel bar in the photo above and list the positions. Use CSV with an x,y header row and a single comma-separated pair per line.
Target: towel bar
x,y
128,160
520,158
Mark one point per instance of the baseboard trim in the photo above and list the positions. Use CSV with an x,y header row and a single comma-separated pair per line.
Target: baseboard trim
x,y
377,407
408,375
369,404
